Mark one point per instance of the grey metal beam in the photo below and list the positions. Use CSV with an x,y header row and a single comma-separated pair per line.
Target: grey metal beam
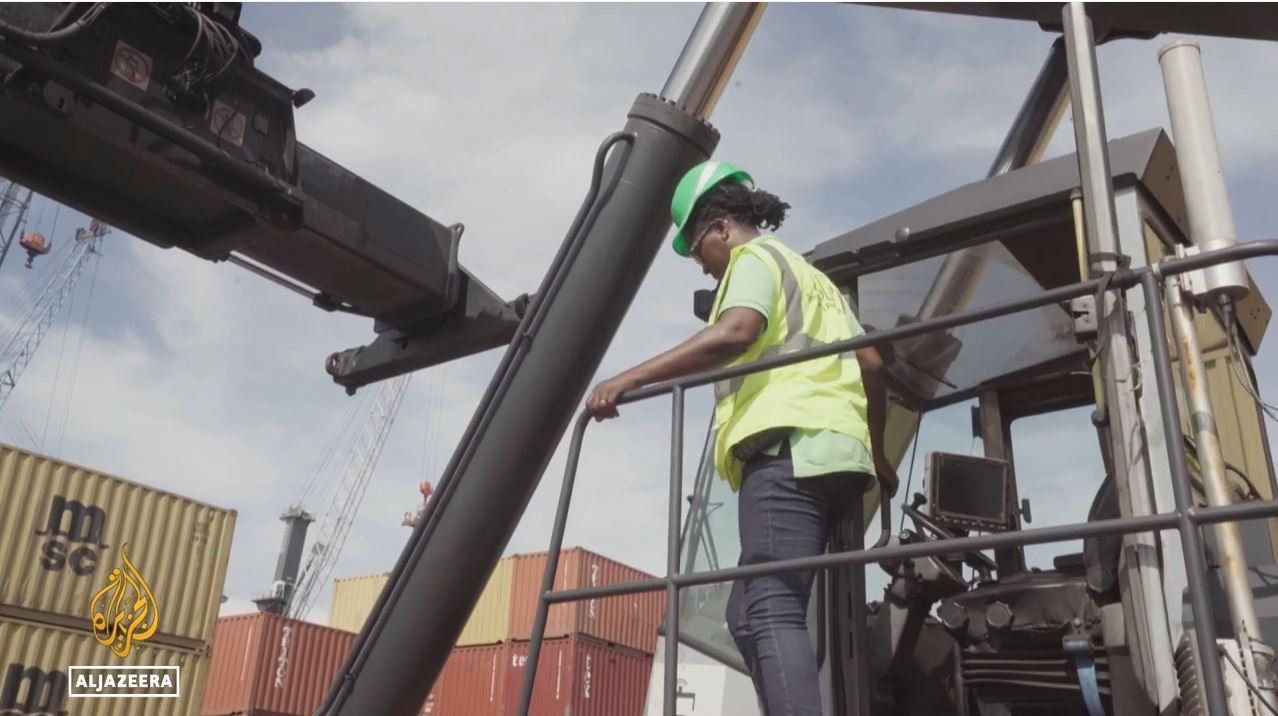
x,y
1031,130
1142,576
1191,545
996,440
1251,21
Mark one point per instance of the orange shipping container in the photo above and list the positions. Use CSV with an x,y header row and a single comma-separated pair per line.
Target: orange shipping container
x,y
473,683
269,664
581,677
629,620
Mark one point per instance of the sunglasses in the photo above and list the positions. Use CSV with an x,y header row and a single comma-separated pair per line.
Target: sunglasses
x,y
694,250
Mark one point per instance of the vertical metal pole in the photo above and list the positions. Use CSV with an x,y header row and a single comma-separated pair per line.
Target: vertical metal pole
x,y
858,618
710,55
998,444
1142,588
1191,539
1089,136
672,552
552,563
1233,560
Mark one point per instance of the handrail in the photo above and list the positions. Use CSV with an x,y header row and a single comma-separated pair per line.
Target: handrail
x,y
1125,278
1186,518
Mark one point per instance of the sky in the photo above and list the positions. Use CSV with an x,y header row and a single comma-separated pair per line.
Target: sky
x,y
204,380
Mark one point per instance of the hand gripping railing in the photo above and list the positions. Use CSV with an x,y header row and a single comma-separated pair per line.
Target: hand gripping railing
x,y
1186,518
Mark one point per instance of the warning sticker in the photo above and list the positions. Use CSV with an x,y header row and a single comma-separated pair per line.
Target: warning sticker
x,y
131,65
227,124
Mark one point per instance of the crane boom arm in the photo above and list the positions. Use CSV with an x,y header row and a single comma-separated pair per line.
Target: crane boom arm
x,y
118,121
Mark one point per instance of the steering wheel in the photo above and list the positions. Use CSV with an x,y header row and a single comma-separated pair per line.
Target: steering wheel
x,y
934,532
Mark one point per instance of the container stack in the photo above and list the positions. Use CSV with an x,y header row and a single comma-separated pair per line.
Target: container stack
x,y
596,658
354,597
87,558
271,665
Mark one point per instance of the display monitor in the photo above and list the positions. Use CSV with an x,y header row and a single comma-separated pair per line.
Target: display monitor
x,y
969,493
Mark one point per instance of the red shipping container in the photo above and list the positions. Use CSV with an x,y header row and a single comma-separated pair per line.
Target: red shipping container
x,y
472,683
269,665
629,620
579,676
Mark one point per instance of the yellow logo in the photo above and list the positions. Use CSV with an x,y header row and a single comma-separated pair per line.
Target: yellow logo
x,y
124,611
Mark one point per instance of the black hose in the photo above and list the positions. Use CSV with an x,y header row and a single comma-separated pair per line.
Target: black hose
x,y
63,16
13,32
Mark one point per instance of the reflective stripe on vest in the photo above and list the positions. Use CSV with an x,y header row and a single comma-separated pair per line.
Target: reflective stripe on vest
x,y
823,393
795,338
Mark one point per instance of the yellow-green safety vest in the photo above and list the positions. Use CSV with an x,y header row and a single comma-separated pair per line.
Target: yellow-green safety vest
x,y
820,394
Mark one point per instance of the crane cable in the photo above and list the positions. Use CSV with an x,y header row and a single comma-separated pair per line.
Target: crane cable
x,y
57,373
340,430
66,327
18,426
84,327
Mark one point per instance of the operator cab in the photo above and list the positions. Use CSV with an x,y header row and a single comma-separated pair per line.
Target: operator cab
x,y
1020,639
989,634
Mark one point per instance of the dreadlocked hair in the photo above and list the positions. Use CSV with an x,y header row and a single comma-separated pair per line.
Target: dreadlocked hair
x,y
753,207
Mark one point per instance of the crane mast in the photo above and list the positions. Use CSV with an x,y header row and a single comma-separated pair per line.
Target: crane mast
x,y
20,349
352,482
13,211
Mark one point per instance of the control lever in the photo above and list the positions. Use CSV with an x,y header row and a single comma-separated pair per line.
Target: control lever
x,y
982,564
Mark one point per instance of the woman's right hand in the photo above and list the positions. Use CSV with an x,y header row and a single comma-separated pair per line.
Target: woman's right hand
x,y
887,474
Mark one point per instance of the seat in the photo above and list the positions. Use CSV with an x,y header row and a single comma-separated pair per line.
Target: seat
x,y
1098,561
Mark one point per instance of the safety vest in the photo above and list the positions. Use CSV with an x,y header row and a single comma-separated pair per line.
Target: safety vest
x,y
819,394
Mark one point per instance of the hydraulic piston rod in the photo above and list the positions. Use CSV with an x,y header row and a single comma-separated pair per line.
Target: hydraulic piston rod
x,y
1143,586
535,391
1026,140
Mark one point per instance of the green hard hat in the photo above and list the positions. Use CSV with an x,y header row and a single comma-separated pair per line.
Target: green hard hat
x,y
699,180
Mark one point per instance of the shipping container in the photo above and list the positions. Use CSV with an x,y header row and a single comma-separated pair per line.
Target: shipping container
x,y
473,683
36,675
489,623
270,665
353,599
580,676
63,529
629,620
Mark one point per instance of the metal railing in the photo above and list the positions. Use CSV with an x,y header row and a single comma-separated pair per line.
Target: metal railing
x,y
1186,518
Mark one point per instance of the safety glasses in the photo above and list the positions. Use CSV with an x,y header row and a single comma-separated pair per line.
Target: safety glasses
x,y
695,250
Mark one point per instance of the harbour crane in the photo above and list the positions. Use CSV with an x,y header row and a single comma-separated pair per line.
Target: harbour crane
x,y
39,317
338,485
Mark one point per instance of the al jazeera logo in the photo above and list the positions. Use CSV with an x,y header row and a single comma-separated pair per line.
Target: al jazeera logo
x,y
124,612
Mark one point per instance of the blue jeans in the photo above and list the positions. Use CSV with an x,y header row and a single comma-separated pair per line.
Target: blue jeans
x,y
783,517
